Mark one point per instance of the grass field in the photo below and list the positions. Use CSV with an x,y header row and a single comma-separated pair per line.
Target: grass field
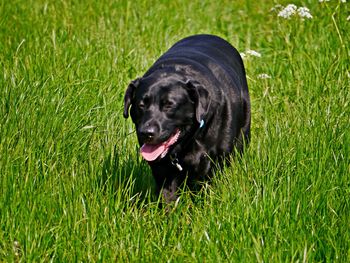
x,y
73,187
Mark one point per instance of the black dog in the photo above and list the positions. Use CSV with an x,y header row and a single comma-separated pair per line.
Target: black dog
x,y
190,108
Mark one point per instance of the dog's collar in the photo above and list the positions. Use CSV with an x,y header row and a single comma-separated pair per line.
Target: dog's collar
x,y
201,124
173,157
175,162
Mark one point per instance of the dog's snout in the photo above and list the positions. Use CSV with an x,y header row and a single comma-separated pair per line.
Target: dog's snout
x,y
148,133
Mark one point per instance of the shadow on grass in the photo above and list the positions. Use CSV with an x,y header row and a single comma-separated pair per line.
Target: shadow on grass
x,y
127,176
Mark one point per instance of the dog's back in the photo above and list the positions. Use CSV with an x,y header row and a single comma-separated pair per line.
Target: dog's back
x,y
221,60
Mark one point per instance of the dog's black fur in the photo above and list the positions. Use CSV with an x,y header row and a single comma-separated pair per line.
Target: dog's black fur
x,y
199,87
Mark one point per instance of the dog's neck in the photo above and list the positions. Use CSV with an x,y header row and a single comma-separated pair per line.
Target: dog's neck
x,y
174,154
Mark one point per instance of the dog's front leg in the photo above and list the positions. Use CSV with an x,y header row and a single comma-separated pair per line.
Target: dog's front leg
x,y
169,190
168,180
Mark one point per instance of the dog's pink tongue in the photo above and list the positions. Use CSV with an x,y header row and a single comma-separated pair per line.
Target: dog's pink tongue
x,y
152,152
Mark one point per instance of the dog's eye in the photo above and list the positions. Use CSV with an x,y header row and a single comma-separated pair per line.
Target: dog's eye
x,y
167,104
141,105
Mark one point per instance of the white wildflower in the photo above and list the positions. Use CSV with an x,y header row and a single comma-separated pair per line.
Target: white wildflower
x,y
250,53
304,12
288,11
292,10
276,8
263,76
253,53
348,18
343,1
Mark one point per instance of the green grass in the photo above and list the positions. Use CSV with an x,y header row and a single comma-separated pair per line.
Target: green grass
x,y
72,184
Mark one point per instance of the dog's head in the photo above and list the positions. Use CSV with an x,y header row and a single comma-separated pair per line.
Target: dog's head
x,y
164,108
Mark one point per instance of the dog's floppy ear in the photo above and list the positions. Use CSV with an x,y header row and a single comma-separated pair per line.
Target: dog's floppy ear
x,y
200,96
129,95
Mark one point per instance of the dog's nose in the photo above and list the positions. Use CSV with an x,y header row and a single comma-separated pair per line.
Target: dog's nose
x,y
148,133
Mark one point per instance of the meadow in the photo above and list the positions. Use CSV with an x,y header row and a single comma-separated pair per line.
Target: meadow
x,y
73,187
